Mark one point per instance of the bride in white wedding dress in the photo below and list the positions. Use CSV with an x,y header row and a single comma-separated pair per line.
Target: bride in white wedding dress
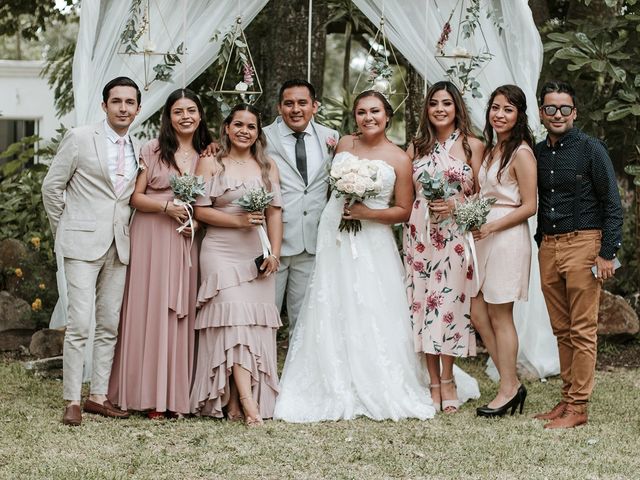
x,y
351,353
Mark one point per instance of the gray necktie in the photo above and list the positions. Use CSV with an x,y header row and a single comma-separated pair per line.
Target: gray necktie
x,y
301,155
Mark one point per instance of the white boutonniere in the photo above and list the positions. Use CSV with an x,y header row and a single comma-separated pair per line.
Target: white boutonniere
x,y
331,143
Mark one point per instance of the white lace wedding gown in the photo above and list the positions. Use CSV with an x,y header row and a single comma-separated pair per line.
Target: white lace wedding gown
x,y
351,353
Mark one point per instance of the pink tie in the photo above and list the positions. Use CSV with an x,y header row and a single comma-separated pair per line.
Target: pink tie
x,y
120,167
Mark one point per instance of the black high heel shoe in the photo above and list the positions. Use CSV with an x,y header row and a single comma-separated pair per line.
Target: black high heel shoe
x,y
513,404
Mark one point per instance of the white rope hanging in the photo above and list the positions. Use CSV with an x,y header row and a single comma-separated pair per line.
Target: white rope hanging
x,y
309,32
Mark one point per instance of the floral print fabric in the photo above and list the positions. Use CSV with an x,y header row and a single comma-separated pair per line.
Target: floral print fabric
x,y
438,278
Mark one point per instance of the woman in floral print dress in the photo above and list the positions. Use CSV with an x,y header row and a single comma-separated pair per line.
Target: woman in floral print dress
x,y
438,275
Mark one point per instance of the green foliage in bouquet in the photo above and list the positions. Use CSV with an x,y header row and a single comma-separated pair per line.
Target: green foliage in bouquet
x,y
435,187
255,200
187,188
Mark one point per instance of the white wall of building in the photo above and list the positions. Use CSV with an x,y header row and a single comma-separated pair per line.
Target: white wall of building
x,y
24,95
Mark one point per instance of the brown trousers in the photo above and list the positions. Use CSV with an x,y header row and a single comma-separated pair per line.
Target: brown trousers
x,y
572,295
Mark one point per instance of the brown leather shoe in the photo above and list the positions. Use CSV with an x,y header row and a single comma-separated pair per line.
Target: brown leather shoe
x,y
107,409
72,415
555,412
573,416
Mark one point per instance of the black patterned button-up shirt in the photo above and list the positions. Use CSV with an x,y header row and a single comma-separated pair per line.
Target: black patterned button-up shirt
x,y
599,204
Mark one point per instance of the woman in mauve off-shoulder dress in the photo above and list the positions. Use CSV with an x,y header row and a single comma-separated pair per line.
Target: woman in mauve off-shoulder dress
x,y
236,369
154,355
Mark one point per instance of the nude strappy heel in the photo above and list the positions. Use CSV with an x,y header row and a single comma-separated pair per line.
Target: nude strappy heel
x,y
250,421
450,406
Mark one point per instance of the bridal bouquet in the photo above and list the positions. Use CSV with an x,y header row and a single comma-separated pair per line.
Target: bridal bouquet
x,y
355,180
256,200
472,214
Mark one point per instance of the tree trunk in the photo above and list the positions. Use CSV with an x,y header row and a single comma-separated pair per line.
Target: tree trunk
x,y
281,53
540,11
413,105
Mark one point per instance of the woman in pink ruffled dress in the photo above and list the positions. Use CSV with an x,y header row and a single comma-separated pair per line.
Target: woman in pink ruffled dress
x,y
154,355
236,369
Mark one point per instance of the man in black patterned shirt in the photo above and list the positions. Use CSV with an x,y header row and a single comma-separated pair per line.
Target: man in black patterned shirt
x,y
579,227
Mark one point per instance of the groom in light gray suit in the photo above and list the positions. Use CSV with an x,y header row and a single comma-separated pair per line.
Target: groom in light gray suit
x,y
86,196
303,150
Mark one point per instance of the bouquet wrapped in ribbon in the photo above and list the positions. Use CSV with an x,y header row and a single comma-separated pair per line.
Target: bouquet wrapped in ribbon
x,y
257,200
439,186
471,215
355,180
186,188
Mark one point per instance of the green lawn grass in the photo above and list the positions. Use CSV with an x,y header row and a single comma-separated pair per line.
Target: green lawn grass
x,y
34,444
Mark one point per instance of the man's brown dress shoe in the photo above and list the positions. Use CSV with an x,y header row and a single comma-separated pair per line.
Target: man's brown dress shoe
x,y
107,409
555,412
72,415
573,416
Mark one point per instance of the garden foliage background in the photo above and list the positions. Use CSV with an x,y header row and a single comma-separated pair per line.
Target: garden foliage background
x,y
594,44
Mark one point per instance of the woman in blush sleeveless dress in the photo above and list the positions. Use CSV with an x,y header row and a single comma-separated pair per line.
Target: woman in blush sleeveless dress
x,y
503,244
351,351
236,371
438,273
154,355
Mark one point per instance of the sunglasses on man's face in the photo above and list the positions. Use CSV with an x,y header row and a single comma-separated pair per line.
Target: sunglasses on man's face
x,y
565,110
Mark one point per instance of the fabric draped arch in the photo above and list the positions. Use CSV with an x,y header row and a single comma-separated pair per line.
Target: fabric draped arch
x,y
97,59
517,60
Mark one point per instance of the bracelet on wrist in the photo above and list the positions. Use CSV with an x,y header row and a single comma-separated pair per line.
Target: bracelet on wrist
x,y
166,204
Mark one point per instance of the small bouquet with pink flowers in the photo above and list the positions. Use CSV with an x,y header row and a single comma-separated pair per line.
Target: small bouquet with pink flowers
x,y
438,186
355,180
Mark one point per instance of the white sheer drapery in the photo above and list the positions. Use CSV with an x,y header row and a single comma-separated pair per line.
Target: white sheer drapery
x,y
97,59
517,60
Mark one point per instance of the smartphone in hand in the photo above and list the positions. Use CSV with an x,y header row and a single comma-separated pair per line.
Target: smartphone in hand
x,y
616,265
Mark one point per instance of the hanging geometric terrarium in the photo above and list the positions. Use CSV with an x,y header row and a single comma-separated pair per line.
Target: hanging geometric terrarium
x,y
237,77
463,61
138,27
378,70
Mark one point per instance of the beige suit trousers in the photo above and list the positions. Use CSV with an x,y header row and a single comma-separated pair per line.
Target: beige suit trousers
x,y
100,281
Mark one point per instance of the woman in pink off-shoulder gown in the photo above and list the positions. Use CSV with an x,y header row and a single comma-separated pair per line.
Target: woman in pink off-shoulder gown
x,y
153,362
236,369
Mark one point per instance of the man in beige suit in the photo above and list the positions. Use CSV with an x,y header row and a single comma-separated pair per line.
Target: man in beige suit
x,y
86,196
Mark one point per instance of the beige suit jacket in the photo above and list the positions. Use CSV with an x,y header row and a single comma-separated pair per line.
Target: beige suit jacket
x,y
79,197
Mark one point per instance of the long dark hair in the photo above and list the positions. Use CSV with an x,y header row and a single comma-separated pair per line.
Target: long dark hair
x,y
258,147
168,141
388,109
520,131
426,139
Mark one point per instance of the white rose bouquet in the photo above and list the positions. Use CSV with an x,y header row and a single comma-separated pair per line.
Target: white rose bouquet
x,y
355,180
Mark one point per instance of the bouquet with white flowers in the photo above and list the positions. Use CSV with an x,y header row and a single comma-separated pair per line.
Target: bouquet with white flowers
x,y
186,188
472,214
256,200
355,180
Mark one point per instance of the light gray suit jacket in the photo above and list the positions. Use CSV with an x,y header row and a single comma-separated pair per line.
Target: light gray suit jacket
x,y
302,204
79,197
